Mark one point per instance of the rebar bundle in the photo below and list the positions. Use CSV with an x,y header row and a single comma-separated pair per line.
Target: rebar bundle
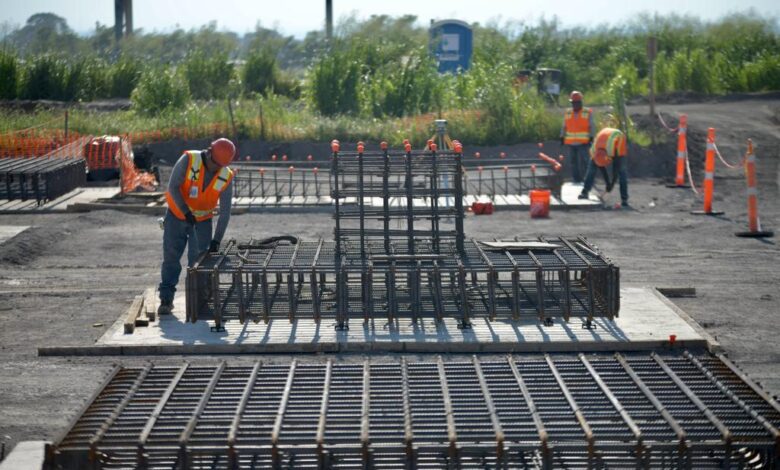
x,y
40,178
528,412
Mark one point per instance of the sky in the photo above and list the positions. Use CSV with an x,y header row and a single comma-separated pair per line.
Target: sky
x,y
296,17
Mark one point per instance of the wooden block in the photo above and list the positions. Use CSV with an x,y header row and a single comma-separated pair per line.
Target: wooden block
x,y
132,314
150,303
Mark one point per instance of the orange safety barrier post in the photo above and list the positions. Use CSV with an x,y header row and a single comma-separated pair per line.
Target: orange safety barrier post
x,y
682,152
754,224
709,176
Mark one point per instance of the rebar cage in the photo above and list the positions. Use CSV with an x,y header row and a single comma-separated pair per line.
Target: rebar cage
x,y
649,411
399,250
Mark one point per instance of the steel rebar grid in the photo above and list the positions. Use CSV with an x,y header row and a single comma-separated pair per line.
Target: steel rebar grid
x,y
245,282
277,181
585,411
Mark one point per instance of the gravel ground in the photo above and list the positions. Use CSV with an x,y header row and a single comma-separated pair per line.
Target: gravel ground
x,y
65,281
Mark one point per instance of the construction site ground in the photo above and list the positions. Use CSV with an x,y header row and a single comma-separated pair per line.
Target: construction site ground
x,y
65,280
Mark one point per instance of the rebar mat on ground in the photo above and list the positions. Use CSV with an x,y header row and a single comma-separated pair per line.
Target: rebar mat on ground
x,y
564,411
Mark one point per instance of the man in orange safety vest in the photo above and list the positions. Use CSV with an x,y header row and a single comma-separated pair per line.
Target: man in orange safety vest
x,y
200,181
577,133
610,147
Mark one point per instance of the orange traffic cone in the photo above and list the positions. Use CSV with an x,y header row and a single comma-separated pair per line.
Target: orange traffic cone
x,y
754,224
682,152
709,176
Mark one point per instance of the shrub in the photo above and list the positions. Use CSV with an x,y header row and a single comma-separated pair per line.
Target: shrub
x,y
124,77
333,82
398,91
260,73
9,70
160,90
44,79
86,79
763,74
207,76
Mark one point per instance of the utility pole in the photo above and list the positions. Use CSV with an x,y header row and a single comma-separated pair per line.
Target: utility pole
x,y
123,19
328,19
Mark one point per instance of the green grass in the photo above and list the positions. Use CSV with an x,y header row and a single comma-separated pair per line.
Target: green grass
x,y
282,120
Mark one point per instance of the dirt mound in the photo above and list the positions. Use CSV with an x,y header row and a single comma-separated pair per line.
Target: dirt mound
x,y
45,238
27,246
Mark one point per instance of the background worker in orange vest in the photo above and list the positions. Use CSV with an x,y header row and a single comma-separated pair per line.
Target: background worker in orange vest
x,y
577,132
609,147
200,181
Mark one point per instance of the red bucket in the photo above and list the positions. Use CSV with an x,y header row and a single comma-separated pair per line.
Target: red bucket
x,y
482,208
540,203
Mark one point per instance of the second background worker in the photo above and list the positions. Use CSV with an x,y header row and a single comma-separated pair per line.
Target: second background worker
x,y
577,133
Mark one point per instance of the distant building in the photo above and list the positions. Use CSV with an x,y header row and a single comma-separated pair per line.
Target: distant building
x,y
451,42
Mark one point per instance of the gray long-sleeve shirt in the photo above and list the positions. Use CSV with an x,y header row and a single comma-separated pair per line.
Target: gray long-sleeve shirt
x,y
225,198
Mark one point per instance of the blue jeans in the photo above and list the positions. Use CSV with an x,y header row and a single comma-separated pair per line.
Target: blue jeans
x,y
578,156
619,166
177,235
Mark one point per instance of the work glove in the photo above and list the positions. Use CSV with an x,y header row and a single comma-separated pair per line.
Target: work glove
x,y
214,246
190,218
562,139
590,141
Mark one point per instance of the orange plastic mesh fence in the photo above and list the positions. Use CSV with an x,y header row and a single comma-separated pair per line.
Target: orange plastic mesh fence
x,y
101,153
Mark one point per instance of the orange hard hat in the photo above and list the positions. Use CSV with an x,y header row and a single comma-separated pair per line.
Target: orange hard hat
x,y
222,151
575,96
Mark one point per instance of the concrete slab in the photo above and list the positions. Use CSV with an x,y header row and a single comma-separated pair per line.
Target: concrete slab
x,y
7,232
646,322
570,196
27,455
62,203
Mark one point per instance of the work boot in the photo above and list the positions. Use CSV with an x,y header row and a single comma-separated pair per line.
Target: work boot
x,y
582,196
165,308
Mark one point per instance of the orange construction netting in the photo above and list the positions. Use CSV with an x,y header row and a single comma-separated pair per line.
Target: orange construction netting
x,y
101,153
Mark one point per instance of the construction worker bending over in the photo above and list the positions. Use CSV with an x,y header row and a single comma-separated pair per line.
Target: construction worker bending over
x,y
577,132
201,180
609,147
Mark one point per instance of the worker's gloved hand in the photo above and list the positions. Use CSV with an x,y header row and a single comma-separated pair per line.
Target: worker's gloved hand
x,y
590,141
610,185
214,246
190,218
562,140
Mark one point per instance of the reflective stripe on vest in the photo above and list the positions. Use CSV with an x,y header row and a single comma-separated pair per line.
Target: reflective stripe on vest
x,y
577,127
612,141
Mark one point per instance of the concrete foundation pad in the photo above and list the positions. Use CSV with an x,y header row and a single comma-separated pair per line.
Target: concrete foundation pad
x,y
27,455
646,322
63,203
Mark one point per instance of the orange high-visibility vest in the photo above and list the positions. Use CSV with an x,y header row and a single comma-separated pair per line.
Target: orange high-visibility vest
x,y
577,126
611,140
201,202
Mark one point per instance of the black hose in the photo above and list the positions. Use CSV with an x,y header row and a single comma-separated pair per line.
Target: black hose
x,y
271,242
